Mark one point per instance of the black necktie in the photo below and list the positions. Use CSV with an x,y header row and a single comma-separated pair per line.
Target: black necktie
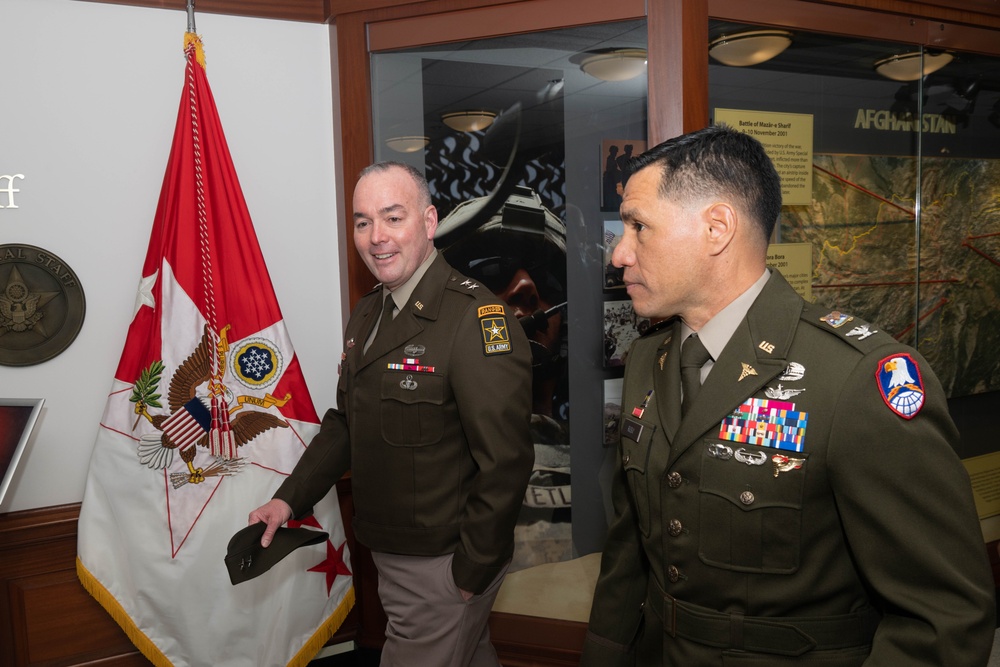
x,y
693,357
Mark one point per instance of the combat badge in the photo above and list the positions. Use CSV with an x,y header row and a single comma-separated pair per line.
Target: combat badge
x,y
794,371
496,337
41,305
900,384
785,463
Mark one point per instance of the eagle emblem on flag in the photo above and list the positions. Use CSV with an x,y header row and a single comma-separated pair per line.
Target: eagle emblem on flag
x,y
194,420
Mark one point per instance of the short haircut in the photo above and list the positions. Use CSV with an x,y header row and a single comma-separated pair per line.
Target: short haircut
x,y
718,161
423,189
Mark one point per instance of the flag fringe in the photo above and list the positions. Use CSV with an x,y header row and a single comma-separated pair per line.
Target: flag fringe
x,y
155,656
199,50
324,632
118,613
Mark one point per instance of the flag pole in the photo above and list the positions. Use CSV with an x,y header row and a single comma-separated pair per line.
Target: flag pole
x,y
190,13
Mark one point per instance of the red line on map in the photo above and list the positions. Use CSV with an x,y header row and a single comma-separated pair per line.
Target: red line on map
x,y
907,330
980,252
982,236
866,191
902,282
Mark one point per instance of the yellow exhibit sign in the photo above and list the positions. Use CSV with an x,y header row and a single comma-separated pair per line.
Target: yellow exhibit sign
x,y
788,140
794,261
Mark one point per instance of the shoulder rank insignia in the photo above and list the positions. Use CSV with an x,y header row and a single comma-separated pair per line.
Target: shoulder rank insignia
x,y
493,323
900,384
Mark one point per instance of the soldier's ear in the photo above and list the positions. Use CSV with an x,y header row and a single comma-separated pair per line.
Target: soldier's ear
x,y
431,221
722,221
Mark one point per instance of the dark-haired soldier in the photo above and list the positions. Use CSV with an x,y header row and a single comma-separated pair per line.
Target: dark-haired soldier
x,y
787,491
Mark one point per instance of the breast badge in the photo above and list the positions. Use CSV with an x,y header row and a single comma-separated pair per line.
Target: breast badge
x,y
900,384
794,371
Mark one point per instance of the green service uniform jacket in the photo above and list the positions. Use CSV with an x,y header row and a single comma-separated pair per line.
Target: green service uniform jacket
x,y
863,548
433,423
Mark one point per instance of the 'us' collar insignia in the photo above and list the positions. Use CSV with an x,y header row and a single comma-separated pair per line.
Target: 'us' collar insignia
x,y
862,331
836,319
350,343
747,371
767,347
418,305
900,384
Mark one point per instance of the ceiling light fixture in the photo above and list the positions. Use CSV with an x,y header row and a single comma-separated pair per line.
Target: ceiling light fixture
x,y
468,121
410,144
615,64
910,66
749,48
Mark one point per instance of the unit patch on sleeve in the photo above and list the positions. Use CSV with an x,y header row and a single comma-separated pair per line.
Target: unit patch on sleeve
x,y
900,384
496,337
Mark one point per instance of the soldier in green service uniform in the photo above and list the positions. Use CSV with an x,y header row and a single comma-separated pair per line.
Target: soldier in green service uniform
x,y
787,492
432,419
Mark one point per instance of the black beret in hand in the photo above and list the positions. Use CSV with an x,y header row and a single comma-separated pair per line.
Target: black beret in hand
x,y
246,559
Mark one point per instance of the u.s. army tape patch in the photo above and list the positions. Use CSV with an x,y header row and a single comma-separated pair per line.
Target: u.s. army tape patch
x,y
496,337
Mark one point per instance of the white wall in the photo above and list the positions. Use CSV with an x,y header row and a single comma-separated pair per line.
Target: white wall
x,y
89,95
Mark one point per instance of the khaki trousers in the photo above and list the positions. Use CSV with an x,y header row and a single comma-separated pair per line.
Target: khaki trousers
x,y
429,624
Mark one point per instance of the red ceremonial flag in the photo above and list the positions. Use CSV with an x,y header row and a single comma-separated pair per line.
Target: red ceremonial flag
x,y
208,413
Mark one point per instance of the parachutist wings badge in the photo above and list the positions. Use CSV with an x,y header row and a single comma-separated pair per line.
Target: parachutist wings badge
x,y
199,419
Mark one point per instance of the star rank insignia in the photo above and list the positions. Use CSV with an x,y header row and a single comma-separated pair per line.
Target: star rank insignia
x,y
493,323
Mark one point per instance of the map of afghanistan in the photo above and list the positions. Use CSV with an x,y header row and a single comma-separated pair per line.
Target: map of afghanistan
x,y
935,288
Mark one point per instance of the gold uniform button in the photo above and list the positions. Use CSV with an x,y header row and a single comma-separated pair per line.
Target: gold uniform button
x,y
626,458
673,574
747,498
675,527
674,480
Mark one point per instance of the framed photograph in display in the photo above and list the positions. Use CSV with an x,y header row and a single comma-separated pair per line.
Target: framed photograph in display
x,y
17,419
621,327
613,230
615,172
612,410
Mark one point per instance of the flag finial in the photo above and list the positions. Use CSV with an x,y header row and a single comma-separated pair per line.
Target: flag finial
x,y
193,41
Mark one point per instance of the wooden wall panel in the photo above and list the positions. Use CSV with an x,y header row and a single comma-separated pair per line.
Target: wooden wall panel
x,y
48,619
46,616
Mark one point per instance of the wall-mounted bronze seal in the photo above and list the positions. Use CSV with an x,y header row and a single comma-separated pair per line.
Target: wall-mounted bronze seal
x,y
41,305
